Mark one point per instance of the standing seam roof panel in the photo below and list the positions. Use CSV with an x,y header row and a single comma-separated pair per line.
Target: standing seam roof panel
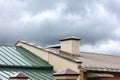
x,y
15,57
24,57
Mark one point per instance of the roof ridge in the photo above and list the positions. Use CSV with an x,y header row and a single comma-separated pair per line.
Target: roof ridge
x,y
100,54
37,46
31,44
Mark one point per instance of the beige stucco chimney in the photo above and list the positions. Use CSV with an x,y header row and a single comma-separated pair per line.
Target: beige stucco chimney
x,y
70,45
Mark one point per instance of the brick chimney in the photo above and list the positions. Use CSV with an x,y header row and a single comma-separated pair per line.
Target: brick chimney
x,y
18,76
70,45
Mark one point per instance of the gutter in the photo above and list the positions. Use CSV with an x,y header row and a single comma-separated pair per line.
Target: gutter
x,y
27,67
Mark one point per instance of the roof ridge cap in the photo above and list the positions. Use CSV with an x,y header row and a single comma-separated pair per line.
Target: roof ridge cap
x,y
31,44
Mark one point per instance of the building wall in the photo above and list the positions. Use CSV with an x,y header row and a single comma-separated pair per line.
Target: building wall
x,y
82,75
59,63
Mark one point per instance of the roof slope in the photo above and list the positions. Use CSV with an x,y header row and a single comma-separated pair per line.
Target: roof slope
x,y
17,59
92,61
100,62
18,56
33,74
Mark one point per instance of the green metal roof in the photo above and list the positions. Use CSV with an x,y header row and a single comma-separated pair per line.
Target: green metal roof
x,y
18,59
33,74
18,56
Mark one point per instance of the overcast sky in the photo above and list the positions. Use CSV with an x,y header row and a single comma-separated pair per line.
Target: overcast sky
x,y
44,22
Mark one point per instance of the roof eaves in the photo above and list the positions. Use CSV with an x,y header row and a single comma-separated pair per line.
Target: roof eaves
x,y
27,67
101,70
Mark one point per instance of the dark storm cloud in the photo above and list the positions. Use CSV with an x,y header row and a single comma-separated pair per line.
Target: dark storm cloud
x,y
44,22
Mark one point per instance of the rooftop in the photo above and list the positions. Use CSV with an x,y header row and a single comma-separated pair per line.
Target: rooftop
x,y
19,56
17,59
33,74
90,61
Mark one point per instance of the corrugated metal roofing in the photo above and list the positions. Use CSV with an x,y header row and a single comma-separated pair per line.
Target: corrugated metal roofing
x,y
33,74
17,59
92,61
18,56
100,62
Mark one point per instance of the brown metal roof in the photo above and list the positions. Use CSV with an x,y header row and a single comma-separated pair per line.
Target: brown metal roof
x,y
100,62
92,61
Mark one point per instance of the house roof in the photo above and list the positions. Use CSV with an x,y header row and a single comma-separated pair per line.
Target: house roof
x,y
89,61
92,61
100,62
19,56
33,74
18,59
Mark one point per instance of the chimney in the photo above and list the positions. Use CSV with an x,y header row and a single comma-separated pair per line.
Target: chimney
x,y
70,45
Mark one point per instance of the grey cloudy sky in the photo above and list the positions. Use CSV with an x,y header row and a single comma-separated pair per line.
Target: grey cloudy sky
x,y
44,22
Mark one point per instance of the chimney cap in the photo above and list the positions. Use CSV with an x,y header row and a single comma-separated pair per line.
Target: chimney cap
x,y
70,38
66,71
19,75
